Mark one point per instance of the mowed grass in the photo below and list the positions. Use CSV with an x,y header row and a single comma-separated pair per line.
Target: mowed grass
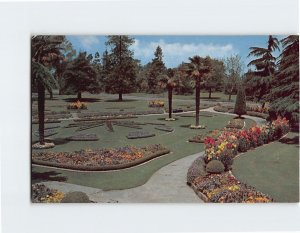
x,y
176,141
272,169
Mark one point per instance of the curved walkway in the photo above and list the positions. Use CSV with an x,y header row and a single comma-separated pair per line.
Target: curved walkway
x,y
166,185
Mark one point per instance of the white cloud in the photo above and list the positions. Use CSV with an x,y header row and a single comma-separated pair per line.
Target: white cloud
x,y
88,41
175,53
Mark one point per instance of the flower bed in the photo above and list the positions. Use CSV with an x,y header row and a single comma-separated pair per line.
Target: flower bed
x,y
140,134
236,124
156,104
100,159
84,137
42,194
224,187
201,138
77,105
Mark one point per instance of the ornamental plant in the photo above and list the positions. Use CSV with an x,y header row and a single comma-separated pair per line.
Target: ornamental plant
x,y
225,147
156,104
77,105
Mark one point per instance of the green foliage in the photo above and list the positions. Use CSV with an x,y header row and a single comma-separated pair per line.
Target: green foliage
x,y
285,92
233,74
216,78
80,75
157,68
119,66
215,166
75,197
240,103
265,67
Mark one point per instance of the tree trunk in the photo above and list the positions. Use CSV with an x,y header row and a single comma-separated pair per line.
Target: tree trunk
x,y
51,95
197,101
170,89
230,93
79,95
120,96
41,112
209,93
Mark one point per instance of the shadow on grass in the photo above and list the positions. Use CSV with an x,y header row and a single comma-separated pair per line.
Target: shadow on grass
x,y
290,140
37,177
87,100
120,101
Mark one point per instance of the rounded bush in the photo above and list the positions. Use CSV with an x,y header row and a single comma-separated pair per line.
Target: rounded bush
x,y
76,197
215,166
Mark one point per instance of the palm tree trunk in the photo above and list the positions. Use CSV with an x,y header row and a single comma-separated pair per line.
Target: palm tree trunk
x,y
51,95
41,112
197,101
170,89
79,95
120,96
209,93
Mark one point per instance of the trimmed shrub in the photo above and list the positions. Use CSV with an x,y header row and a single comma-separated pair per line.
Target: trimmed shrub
x,y
196,169
76,197
240,103
215,166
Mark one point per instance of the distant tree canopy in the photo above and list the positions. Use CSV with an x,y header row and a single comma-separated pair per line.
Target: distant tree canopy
x,y
119,66
233,74
284,95
80,75
215,79
157,68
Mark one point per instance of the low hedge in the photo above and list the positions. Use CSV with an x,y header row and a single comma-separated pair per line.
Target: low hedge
x,y
196,169
258,114
139,134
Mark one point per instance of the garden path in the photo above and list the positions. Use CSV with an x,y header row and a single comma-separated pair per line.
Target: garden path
x,y
167,185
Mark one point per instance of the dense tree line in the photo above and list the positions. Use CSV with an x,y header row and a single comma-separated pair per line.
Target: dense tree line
x,y
55,64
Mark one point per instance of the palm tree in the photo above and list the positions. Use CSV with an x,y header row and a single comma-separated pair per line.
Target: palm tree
x,y
198,68
265,64
169,81
45,50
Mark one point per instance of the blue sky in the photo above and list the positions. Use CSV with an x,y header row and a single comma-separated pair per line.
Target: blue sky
x,y
177,49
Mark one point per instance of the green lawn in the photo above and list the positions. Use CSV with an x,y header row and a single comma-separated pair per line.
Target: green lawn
x,y
272,169
175,141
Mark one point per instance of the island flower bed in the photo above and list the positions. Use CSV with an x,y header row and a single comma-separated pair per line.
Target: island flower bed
x,y
156,104
77,105
100,159
224,149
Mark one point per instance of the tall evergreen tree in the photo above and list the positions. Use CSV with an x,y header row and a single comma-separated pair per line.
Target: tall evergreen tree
x,y
80,75
121,78
285,92
265,67
157,68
